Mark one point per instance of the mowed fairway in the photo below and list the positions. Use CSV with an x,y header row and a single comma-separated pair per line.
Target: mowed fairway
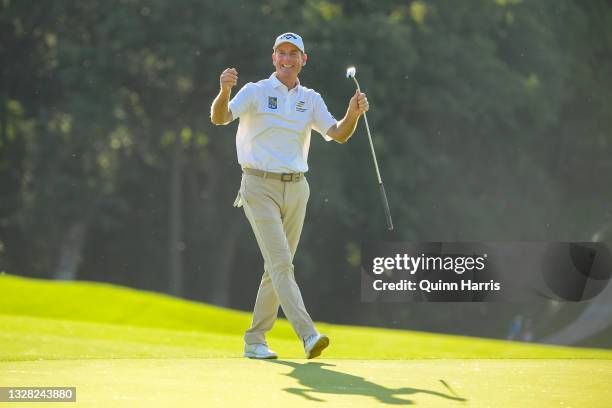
x,y
233,382
125,348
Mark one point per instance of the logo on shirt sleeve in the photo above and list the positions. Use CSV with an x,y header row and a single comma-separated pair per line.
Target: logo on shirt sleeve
x,y
272,102
300,106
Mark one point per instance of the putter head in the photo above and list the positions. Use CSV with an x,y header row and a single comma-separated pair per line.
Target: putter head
x,y
350,72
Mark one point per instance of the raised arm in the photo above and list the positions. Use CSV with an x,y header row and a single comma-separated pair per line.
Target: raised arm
x,y
219,111
344,129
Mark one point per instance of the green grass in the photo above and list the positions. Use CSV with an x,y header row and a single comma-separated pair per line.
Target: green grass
x,y
48,320
127,348
226,382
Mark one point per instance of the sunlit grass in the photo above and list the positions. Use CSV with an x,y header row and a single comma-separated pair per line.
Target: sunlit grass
x,y
42,319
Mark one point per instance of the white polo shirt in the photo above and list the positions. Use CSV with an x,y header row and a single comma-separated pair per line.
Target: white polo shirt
x,y
275,125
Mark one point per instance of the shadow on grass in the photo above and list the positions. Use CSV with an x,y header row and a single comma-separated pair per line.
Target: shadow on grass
x,y
316,379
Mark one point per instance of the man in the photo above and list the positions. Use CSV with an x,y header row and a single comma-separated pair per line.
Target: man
x,y
272,142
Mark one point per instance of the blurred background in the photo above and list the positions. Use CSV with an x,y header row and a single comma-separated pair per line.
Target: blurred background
x,y
492,121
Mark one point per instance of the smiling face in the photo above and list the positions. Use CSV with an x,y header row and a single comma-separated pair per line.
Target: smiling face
x,y
288,61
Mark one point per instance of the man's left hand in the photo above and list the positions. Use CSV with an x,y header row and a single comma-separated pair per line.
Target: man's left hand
x,y
359,103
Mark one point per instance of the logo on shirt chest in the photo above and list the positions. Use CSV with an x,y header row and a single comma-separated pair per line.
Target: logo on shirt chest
x,y
272,102
300,106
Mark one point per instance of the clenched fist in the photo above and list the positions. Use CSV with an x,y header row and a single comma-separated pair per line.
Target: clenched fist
x,y
359,103
228,79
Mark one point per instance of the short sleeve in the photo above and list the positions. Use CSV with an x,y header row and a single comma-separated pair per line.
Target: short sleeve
x,y
323,120
243,101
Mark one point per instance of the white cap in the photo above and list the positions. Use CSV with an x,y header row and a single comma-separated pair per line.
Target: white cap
x,y
290,38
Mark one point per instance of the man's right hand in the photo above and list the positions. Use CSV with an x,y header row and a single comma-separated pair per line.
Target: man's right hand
x,y
228,79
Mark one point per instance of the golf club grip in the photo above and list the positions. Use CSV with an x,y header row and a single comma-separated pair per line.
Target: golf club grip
x,y
386,206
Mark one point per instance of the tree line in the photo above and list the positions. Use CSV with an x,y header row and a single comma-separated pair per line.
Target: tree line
x,y
491,121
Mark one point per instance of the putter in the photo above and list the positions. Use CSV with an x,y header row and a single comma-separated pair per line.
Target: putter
x,y
350,73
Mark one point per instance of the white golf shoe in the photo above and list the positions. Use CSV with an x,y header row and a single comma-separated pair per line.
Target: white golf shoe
x,y
315,344
260,351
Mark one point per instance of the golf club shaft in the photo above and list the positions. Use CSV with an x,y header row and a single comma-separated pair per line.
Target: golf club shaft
x,y
365,118
383,194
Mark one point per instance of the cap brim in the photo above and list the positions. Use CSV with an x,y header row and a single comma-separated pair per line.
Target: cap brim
x,y
286,42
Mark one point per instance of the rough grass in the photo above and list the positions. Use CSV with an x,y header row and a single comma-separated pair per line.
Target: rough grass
x,y
53,320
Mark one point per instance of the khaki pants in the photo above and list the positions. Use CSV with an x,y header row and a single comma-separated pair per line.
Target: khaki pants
x,y
276,210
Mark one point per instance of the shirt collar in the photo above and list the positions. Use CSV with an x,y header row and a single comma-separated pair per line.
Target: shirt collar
x,y
276,83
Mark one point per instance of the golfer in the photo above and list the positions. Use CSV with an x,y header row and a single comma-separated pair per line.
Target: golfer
x,y
272,142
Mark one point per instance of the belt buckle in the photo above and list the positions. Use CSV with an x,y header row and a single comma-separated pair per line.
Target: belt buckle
x,y
286,174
